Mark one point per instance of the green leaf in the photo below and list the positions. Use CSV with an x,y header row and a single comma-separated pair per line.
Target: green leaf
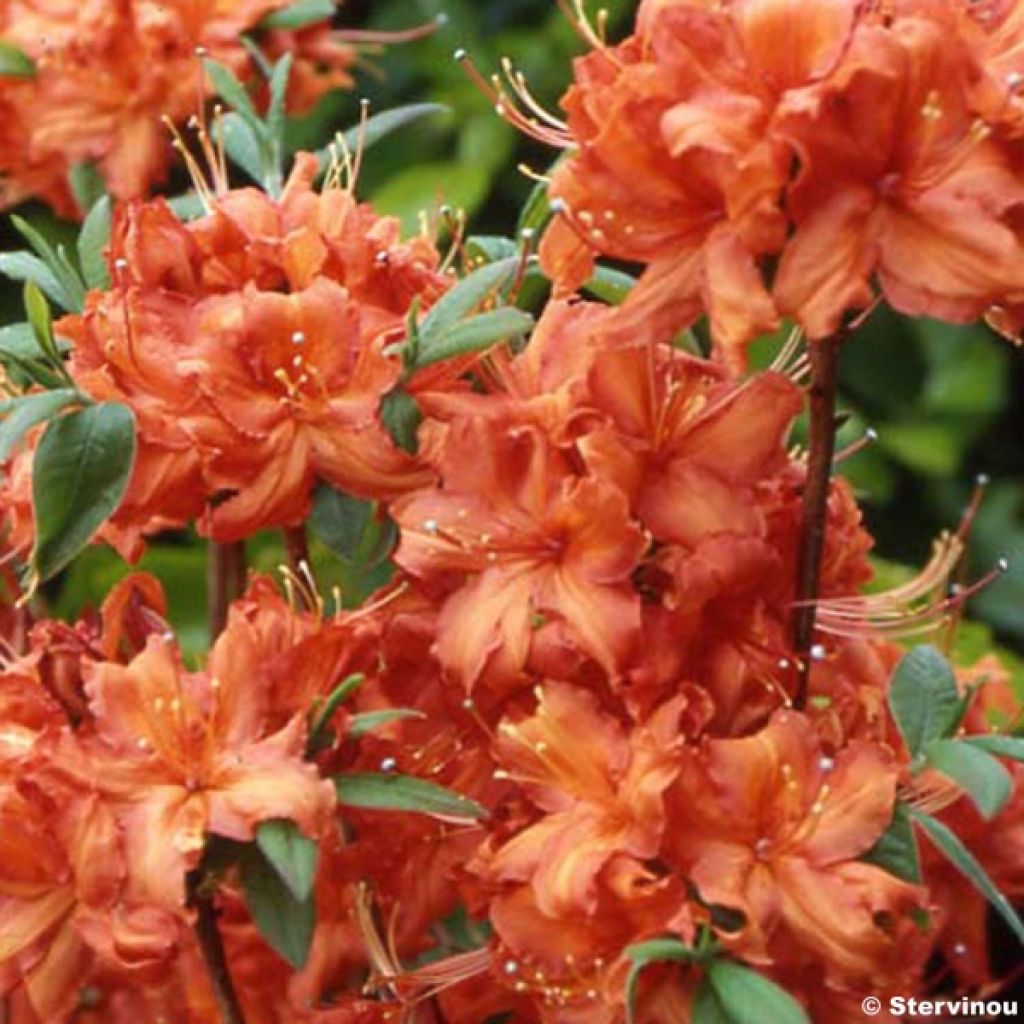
x,y
273,174
188,206
964,861
466,297
536,211
706,1007
610,285
424,187
241,144
14,63
324,714
1001,746
31,410
748,997
291,854
401,417
23,266
490,249
896,849
643,954
92,241
38,312
285,922
352,528
370,720
71,286
976,772
477,334
232,92
405,793
87,185
380,126
80,473
299,14
19,342
923,697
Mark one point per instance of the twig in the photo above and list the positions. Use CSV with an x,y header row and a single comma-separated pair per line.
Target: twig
x,y
824,356
212,948
225,581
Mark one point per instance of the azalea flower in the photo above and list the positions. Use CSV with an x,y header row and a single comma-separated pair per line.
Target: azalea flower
x,y
528,537
773,826
182,755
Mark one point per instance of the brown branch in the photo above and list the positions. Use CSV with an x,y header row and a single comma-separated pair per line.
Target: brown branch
x,y
212,948
824,357
225,580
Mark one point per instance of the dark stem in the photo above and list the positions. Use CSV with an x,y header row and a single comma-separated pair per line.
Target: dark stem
x,y
225,580
296,546
212,948
824,357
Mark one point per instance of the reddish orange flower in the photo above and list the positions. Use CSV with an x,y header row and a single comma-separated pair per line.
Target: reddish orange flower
x,y
244,304
900,181
182,755
106,75
529,538
772,825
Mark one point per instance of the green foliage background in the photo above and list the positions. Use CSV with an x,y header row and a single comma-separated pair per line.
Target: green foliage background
x,y
940,398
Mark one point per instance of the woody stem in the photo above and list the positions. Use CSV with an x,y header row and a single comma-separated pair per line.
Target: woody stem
x,y
824,357
212,948
225,580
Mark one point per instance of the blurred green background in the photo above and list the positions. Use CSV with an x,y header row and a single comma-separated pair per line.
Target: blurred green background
x,y
939,397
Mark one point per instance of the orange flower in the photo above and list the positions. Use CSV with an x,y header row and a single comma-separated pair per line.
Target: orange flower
x,y
530,538
108,72
258,422
296,374
687,446
771,825
900,180
182,755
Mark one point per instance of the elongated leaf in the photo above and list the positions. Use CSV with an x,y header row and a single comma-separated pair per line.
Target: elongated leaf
x,y
232,92
80,473
477,334
285,922
748,997
923,697
23,266
321,719
87,184
14,63
273,172
291,854
965,862
380,126
19,341
370,720
536,211
401,417
72,288
706,1007
405,793
896,850
351,527
241,144
188,206
1001,746
38,312
976,772
29,411
643,954
466,297
610,285
92,241
299,14
490,249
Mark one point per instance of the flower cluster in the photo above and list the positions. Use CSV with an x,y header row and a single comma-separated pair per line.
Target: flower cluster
x,y
787,159
93,83
572,762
